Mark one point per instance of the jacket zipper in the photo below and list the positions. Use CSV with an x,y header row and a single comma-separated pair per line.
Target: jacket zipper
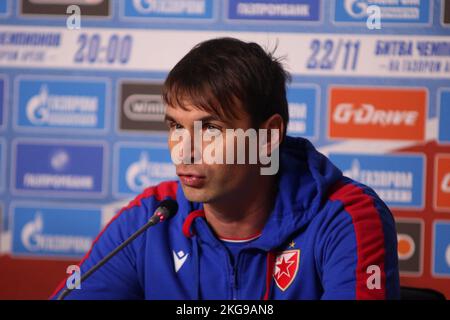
x,y
234,284
234,277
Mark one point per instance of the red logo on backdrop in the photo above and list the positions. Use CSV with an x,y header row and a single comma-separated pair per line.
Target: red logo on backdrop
x,y
286,267
378,113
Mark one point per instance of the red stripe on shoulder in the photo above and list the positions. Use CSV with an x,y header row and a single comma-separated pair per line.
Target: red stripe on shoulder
x,y
369,237
160,192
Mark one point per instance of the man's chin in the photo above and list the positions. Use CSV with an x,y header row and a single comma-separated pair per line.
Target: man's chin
x,y
195,194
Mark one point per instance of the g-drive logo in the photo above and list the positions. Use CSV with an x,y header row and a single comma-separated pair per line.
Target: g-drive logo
x,y
398,179
200,9
396,11
52,231
377,113
58,168
142,167
61,104
442,182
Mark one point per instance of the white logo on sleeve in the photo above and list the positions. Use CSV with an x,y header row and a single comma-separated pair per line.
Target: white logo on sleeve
x,y
179,258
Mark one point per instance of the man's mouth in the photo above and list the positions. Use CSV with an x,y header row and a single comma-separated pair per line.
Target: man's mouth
x,y
191,179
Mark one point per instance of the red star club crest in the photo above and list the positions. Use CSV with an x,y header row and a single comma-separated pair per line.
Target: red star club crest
x,y
286,267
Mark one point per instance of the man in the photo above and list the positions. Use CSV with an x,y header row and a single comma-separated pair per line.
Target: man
x,y
301,232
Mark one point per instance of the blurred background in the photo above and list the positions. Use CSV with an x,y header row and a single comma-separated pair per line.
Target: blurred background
x,y
81,117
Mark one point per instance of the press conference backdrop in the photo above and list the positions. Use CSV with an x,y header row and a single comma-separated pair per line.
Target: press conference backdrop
x,y
82,129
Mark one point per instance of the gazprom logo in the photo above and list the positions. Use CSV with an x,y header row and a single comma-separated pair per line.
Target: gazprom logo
x,y
386,181
31,231
142,167
60,163
356,8
65,104
143,173
172,6
54,231
52,167
390,11
62,110
60,160
34,239
398,180
278,10
168,8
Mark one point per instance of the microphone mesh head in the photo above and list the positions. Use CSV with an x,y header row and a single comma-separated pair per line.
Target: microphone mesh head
x,y
170,206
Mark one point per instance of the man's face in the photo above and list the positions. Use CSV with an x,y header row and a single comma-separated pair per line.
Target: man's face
x,y
203,182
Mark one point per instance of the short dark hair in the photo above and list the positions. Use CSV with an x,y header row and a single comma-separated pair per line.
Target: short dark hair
x,y
218,73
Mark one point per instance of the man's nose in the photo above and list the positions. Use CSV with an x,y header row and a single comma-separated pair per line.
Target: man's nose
x,y
191,143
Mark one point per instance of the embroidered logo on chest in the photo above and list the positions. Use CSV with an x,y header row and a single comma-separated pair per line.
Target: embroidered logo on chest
x,y
286,267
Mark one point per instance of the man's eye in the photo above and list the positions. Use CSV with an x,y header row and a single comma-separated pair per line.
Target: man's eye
x,y
212,128
175,126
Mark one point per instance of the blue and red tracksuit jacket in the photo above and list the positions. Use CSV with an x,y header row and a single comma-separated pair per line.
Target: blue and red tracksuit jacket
x,y
328,237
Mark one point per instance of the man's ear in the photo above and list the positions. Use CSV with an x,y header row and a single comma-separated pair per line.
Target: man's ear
x,y
275,122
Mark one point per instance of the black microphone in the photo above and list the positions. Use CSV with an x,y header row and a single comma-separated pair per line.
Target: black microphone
x,y
166,210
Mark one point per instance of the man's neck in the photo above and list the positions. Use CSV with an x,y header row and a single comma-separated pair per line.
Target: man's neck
x,y
245,216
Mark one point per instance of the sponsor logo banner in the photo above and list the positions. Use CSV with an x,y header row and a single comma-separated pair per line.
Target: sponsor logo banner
x,y
441,249
141,107
397,179
378,113
284,10
185,9
93,8
4,8
2,165
442,182
445,12
53,231
444,116
2,102
410,246
59,168
61,104
131,50
303,103
140,167
392,12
